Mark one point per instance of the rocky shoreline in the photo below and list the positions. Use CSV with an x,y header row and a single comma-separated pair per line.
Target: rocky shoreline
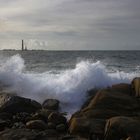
x,y
108,114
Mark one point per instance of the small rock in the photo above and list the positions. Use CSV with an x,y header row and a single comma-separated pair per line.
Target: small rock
x,y
51,125
129,138
57,118
45,112
61,128
52,104
21,117
69,137
49,133
36,124
18,125
3,124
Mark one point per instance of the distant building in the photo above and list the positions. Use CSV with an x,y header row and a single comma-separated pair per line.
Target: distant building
x,y
23,48
22,45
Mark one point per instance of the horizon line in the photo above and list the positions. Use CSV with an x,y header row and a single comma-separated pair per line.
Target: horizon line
x,y
68,50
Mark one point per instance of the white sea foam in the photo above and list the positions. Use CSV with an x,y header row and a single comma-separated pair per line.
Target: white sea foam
x,y
69,86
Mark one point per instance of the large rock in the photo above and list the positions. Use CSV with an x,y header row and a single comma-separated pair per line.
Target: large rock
x,y
14,104
135,85
107,103
85,127
51,104
122,127
36,124
118,102
123,88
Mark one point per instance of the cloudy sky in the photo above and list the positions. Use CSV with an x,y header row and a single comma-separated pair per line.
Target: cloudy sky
x,y
70,24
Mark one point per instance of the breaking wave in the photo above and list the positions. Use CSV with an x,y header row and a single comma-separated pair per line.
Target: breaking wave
x,y
69,86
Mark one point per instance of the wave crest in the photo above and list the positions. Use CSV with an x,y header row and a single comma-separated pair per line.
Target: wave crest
x,y
69,86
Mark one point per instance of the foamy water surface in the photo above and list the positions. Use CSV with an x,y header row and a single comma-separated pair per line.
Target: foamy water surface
x,y
69,86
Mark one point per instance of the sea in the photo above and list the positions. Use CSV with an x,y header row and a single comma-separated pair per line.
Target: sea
x,y
65,75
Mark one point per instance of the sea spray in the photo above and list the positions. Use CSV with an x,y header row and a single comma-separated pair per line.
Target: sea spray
x,y
69,86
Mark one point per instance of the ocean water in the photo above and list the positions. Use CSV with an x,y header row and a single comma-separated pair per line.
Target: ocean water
x,y
65,75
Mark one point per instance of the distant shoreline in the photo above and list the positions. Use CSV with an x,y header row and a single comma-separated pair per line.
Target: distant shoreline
x,y
68,50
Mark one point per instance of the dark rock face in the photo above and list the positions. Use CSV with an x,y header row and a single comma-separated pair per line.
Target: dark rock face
x,y
51,125
36,124
85,126
61,128
5,116
21,117
122,127
135,85
14,104
20,134
3,124
18,125
51,104
70,137
114,101
57,118
107,103
123,88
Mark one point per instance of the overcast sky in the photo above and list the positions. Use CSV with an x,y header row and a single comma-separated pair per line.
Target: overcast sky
x,y
70,24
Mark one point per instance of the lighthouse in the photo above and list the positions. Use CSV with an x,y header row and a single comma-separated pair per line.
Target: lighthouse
x,y
23,48
22,45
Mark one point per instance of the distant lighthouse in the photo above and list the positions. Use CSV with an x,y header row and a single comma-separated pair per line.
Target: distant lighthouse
x,y
22,45
23,48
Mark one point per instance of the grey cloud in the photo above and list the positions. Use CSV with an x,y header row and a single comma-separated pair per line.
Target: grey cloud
x,y
89,24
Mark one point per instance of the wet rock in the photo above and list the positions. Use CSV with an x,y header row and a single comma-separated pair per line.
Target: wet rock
x,y
69,137
129,138
135,85
45,112
5,116
136,137
18,125
36,124
51,104
21,117
122,127
123,88
4,124
21,134
107,103
85,126
94,137
39,116
91,94
15,104
116,102
57,118
51,125
49,133
61,128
